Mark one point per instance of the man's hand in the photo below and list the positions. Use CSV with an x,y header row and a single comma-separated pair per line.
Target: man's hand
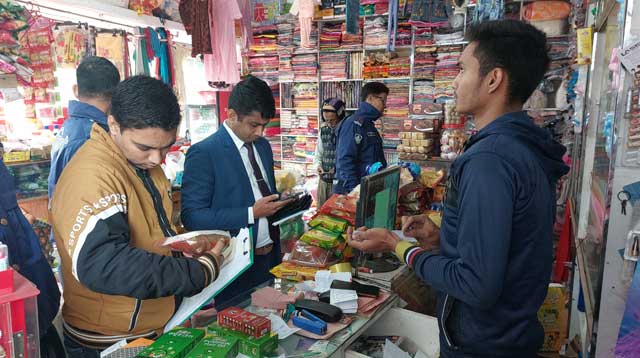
x,y
372,240
217,250
268,206
320,171
422,229
204,243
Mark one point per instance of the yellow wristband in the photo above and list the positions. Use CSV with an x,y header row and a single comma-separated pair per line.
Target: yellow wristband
x,y
402,248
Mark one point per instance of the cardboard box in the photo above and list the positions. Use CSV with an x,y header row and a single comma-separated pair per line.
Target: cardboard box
x,y
17,156
173,344
215,347
249,346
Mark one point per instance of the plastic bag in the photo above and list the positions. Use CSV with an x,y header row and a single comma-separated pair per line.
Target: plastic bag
x,y
342,207
322,238
309,255
290,232
286,180
547,10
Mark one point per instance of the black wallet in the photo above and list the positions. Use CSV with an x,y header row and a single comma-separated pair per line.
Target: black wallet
x,y
301,203
324,311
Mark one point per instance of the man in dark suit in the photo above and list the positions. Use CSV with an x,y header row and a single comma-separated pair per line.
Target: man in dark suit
x,y
229,183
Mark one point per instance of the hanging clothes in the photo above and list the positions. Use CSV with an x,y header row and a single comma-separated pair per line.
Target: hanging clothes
x,y
140,55
392,26
162,52
353,15
195,17
245,10
430,11
111,46
305,9
488,10
180,53
222,64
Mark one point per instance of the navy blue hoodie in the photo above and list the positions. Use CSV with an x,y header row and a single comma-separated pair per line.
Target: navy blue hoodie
x,y
496,241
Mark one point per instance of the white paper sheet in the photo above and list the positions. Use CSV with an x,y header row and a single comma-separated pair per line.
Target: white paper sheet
x,y
242,259
279,326
347,300
400,234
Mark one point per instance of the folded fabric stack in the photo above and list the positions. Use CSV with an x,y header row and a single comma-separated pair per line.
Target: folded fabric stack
x,y
287,95
265,39
398,99
305,67
400,66
403,34
299,149
305,96
333,66
376,65
349,41
265,68
301,122
374,7
331,36
285,33
443,38
286,68
354,68
313,38
276,146
446,71
391,128
424,64
423,36
349,92
376,32
424,91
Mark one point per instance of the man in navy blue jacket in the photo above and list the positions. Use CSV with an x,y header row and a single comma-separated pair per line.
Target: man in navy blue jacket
x,y
229,183
359,143
496,236
26,257
96,79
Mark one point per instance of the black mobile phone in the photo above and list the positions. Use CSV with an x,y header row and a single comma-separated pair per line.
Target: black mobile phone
x,y
284,197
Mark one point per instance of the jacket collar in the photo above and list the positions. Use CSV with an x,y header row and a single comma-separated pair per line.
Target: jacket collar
x,y
79,109
367,112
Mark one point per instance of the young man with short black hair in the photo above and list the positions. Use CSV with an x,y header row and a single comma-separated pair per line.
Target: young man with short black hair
x,y
110,209
229,183
96,80
496,237
359,143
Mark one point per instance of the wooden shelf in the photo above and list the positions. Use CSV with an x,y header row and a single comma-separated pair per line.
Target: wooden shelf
x,y
39,197
298,135
387,79
322,52
296,162
345,80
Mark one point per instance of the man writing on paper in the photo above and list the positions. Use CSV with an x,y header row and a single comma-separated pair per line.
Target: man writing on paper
x,y
109,210
496,236
229,183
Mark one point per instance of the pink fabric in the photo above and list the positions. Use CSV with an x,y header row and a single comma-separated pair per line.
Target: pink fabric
x,y
245,9
222,64
306,9
305,31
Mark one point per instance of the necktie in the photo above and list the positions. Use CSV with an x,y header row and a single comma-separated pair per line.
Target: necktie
x,y
262,184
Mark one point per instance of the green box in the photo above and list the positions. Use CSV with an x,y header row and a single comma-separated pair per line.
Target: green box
x,y
249,346
260,347
173,344
215,347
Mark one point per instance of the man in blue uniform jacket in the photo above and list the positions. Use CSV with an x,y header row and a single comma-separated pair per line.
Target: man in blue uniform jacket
x,y
96,79
26,257
229,183
359,143
496,236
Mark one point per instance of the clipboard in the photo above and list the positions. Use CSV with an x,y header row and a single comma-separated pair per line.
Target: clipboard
x,y
242,260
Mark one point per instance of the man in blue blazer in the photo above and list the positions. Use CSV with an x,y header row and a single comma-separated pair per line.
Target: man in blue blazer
x,y
229,183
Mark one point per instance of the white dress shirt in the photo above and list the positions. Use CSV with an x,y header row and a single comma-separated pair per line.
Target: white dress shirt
x,y
263,238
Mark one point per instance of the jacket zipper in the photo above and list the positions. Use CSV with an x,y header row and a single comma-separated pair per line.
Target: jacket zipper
x,y
134,316
162,218
157,203
443,323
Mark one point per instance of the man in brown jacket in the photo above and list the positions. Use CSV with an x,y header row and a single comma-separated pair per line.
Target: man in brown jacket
x,y
111,206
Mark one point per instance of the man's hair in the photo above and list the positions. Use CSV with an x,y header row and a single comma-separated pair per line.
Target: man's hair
x,y
373,88
252,94
143,102
518,48
97,77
